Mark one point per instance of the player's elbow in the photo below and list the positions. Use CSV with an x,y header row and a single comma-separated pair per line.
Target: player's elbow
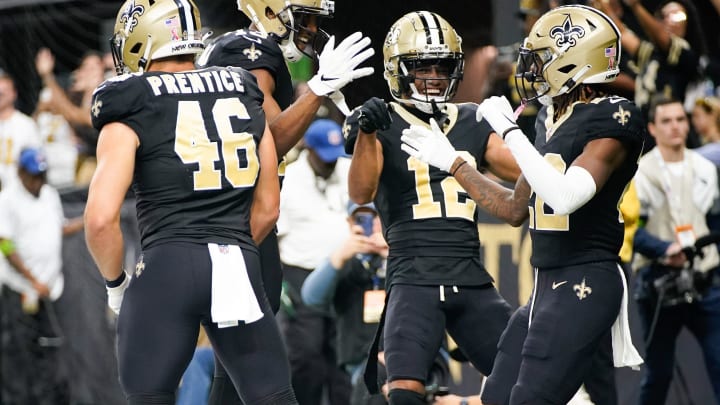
x,y
98,222
573,191
516,220
562,207
269,215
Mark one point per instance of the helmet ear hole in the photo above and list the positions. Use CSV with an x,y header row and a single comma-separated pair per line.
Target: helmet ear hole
x,y
567,68
136,48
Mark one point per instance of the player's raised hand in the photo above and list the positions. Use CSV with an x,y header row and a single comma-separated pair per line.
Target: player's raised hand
x,y
337,66
374,115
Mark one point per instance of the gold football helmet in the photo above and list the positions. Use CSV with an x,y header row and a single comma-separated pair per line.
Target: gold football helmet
x,y
567,46
417,40
146,30
286,21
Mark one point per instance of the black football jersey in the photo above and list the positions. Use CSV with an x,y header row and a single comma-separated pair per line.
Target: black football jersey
x,y
425,212
197,163
251,50
595,231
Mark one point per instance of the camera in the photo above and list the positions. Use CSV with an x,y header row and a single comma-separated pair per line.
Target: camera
x,y
365,220
686,285
433,391
679,286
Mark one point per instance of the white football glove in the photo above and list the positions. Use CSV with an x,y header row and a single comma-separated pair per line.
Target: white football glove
x,y
115,295
498,112
429,145
337,67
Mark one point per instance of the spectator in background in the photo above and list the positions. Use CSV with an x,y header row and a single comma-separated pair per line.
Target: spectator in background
x,y
350,283
624,83
32,225
17,131
311,226
676,188
108,65
669,60
59,142
75,104
706,121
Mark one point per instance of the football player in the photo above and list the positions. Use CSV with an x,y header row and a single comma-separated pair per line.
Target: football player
x,y
280,31
285,31
435,277
196,148
570,190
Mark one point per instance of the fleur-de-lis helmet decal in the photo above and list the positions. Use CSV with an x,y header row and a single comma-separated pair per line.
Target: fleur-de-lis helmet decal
x,y
567,33
130,15
566,47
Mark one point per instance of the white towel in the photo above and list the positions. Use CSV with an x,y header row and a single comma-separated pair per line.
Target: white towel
x,y
624,353
233,298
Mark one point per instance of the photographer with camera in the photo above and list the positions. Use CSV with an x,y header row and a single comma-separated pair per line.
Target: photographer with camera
x,y
351,282
676,188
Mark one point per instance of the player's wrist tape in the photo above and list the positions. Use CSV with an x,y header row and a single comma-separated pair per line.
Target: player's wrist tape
x,y
7,247
117,282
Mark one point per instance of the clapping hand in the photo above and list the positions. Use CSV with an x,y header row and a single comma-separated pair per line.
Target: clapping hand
x,y
429,145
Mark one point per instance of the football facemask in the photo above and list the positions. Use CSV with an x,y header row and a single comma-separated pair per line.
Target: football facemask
x,y
420,48
567,46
